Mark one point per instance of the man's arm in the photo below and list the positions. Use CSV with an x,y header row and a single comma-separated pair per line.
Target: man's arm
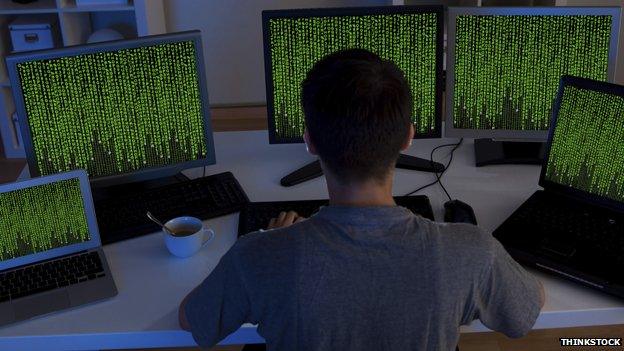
x,y
542,295
508,298
219,305
219,277
184,324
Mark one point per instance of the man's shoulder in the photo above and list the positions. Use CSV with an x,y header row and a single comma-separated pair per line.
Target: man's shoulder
x,y
272,239
268,254
460,238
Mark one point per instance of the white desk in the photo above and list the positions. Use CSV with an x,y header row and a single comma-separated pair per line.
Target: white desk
x,y
151,283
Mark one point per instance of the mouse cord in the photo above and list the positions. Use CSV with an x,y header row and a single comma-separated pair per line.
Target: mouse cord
x,y
439,175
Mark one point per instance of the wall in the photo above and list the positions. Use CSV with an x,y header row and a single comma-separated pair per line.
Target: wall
x,y
232,39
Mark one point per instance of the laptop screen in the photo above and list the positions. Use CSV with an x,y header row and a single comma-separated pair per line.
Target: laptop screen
x,y
41,218
587,147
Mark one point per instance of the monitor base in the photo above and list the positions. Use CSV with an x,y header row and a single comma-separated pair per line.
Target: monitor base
x,y
493,152
313,169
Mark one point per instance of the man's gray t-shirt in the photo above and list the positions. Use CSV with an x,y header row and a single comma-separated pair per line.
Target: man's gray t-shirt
x,y
372,278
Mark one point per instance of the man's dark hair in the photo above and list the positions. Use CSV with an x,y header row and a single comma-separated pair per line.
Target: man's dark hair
x,y
357,110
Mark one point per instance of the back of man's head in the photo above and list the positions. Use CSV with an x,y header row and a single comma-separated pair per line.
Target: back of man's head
x,y
357,110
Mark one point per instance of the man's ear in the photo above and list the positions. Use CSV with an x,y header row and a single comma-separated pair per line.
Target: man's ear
x,y
410,137
309,145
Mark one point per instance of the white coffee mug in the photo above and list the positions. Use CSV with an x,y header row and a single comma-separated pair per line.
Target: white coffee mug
x,y
194,236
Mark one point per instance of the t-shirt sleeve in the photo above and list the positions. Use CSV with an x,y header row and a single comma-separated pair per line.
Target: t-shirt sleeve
x,y
508,297
220,304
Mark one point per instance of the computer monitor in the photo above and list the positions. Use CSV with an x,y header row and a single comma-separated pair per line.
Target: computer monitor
x,y
584,155
504,65
410,36
294,40
124,110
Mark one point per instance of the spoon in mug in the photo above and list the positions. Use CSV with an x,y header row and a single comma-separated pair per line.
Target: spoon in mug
x,y
153,219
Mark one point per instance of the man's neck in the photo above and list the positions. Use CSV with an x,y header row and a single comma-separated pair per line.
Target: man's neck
x,y
361,194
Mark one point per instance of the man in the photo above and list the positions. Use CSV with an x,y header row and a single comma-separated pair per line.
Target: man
x,y
362,273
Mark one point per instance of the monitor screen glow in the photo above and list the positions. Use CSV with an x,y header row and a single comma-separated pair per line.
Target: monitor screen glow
x,y
116,109
41,218
295,39
587,148
505,65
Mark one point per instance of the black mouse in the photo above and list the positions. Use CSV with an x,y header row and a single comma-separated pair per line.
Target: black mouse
x,y
456,211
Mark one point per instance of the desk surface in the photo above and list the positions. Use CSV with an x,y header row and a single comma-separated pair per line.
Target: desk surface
x,y
151,282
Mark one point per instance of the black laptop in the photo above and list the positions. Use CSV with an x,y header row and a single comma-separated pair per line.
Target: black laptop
x,y
575,226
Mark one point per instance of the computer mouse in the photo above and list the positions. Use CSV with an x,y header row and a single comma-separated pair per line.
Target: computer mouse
x,y
456,211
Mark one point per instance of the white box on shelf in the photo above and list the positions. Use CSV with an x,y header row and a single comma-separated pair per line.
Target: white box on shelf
x,y
34,33
101,2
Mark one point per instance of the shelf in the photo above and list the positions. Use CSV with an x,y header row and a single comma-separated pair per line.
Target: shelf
x,y
70,6
75,24
8,7
114,8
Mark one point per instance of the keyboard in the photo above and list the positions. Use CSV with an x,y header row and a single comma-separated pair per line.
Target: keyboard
x,y
566,225
124,217
50,275
256,215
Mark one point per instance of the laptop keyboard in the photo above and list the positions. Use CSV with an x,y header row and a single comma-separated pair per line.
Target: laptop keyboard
x,y
567,221
50,275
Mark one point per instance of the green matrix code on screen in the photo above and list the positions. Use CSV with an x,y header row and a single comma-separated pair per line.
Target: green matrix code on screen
x,y
507,68
41,218
587,150
409,40
115,112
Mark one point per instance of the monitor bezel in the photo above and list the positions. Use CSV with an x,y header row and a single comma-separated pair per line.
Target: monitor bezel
x,y
587,84
139,175
267,15
87,199
537,135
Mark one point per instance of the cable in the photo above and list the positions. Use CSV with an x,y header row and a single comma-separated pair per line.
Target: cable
x,y
439,175
421,188
437,179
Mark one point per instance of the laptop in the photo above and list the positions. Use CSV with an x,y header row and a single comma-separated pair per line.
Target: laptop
x,y
574,228
50,253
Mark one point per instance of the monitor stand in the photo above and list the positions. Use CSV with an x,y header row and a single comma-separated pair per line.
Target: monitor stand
x,y
313,170
496,152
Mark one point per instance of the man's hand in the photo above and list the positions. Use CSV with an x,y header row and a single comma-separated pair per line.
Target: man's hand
x,y
542,294
184,324
285,219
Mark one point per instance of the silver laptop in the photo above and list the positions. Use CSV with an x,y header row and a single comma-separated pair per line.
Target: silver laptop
x,y
50,252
